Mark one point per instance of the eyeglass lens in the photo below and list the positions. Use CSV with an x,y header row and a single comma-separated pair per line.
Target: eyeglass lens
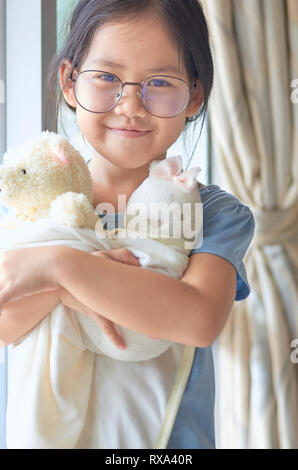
x,y
100,92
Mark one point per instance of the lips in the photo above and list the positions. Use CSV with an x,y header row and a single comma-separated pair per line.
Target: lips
x,y
129,132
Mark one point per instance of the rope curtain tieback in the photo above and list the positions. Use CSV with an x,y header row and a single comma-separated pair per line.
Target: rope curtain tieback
x,y
275,226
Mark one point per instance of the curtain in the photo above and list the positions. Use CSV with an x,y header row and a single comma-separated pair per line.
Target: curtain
x,y
254,135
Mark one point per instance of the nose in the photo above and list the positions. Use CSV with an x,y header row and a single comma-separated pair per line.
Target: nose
x,y
130,102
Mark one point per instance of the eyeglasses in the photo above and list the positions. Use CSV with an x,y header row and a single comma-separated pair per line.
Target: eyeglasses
x,y
162,95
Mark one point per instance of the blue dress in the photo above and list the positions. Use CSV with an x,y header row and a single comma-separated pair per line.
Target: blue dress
x,y
228,228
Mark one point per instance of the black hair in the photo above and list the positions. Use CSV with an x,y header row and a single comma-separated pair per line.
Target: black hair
x,y
184,18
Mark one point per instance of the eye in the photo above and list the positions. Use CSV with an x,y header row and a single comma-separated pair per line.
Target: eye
x,y
23,171
157,82
108,77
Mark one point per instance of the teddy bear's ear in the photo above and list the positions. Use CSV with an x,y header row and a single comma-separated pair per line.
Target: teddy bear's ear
x,y
59,153
170,166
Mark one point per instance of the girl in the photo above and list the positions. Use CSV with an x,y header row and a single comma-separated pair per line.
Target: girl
x,y
136,72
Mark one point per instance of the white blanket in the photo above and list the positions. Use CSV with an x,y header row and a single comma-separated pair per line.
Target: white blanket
x,y
70,387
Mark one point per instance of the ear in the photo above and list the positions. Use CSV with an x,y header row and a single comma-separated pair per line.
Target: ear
x,y
168,167
196,99
59,153
66,85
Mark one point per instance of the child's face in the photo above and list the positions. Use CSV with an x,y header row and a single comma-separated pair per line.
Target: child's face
x,y
138,47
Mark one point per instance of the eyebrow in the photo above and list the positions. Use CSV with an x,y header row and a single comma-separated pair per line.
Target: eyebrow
x,y
164,69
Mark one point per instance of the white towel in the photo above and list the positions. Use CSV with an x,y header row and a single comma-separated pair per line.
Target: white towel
x,y
70,387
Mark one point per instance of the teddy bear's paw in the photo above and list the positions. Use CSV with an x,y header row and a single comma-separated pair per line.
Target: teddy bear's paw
x,y
74,210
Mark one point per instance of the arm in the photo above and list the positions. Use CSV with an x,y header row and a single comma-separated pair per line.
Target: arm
x,y
19,317
27,295
192,310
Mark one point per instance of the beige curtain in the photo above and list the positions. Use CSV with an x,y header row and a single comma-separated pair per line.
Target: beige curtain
x,y
254,129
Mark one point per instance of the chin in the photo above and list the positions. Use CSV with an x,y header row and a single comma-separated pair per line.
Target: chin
x,y
131,165
126,162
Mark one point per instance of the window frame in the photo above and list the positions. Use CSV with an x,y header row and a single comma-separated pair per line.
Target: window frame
x,y
26,53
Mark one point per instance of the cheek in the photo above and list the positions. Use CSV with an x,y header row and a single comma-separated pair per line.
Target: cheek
x,y
171,130
91,125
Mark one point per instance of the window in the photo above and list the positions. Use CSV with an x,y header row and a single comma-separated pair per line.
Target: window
x,y
2,80
27,43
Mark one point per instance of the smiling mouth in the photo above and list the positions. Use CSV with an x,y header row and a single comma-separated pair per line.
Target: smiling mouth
x,y
129,132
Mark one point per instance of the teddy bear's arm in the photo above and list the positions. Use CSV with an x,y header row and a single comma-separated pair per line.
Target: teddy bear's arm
x,y
20,316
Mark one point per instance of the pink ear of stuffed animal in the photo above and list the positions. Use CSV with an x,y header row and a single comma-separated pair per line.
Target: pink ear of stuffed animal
x,y
171,169
60,154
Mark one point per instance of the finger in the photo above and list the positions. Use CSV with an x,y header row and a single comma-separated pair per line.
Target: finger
x,y
97,253
110,331
108,328
114,336
123,255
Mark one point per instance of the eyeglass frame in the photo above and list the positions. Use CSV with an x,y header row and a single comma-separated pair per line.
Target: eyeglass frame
x,y
190,91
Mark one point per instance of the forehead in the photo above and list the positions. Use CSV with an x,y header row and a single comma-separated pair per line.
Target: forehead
x,y
139,45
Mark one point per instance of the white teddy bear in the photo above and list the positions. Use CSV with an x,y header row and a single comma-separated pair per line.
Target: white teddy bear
x,y
47,178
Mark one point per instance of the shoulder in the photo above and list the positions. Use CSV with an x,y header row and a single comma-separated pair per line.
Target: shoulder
x,y
214,197
223,210
228,229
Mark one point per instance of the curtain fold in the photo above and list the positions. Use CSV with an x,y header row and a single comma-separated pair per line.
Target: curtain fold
x,y
254,126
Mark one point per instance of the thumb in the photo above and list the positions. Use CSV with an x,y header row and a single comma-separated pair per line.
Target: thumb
x,y
125,256
122,255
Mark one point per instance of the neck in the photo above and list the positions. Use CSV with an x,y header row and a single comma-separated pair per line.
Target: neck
x,y
109,175
110,180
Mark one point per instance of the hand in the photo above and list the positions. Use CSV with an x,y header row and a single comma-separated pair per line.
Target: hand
x,y
122,255
27,271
